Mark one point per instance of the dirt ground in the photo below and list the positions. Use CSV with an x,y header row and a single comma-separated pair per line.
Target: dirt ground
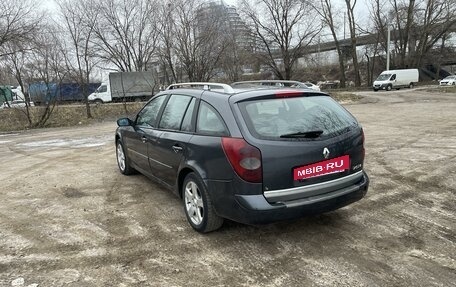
x,y
69,218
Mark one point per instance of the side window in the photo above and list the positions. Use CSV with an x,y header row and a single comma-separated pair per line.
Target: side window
x,y
393,77
148,115
187,121
209,121
174,112
102,89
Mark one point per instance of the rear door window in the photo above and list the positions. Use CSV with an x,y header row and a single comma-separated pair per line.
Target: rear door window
x,y
209,121
174,112
275,118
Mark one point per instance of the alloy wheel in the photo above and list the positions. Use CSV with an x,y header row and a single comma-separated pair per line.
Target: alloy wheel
x,y
120,157
194,205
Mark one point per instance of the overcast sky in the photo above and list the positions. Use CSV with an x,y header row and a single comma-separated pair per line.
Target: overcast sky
x,y
361,10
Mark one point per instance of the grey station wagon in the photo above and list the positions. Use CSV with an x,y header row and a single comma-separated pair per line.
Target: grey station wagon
x,y
253,156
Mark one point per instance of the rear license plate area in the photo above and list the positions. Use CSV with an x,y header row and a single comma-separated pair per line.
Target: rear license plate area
x,y
330,166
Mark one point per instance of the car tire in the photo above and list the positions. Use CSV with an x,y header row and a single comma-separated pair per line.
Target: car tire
x,y
198,206
411,86
375,90
98,101
122,159
389,87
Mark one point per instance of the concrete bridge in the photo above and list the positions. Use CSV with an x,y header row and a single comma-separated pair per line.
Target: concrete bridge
x,y
362,40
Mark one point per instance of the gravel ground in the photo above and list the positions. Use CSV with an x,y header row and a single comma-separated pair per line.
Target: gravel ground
x,y
69,218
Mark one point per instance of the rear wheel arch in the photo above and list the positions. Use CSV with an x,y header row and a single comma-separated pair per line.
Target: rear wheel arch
x,y
198,206
181,177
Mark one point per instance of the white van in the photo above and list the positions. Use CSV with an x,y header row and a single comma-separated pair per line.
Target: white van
x,y
396,79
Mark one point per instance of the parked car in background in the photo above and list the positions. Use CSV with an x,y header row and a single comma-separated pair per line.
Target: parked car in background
x,y
254,155
312,86
15,104
326,85
448,81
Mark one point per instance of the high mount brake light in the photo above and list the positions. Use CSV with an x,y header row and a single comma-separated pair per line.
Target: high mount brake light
x,y
244,158
288,93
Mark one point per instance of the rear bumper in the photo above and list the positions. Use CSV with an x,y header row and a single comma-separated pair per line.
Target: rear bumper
x,y
255,209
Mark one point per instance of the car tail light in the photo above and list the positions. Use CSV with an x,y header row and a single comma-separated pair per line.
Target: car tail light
x,y
244,158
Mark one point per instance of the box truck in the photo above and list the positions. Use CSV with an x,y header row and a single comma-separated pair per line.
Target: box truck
x,y
42,93
125,86
396,79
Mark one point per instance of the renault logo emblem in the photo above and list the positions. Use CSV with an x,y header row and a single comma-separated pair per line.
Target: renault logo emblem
x,y
326,152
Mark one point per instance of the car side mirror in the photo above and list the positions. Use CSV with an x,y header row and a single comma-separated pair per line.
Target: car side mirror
x,y
124,122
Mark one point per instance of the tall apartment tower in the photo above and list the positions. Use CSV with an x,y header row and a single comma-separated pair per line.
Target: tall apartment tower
x,y
226,20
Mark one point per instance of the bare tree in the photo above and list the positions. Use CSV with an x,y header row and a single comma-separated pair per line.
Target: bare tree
x,y
352,27
234,58
283,29
16,62
238,50
126,33
79,21
417,27
167,48
19,22
38,69
403,27
434,18
20,32
199,39
327,13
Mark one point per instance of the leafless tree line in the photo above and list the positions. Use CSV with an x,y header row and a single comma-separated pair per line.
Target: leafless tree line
x,y
198,41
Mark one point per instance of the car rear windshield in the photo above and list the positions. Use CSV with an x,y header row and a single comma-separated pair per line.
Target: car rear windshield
x,y
302,118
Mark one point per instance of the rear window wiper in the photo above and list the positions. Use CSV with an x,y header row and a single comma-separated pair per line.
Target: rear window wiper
x,y
308,134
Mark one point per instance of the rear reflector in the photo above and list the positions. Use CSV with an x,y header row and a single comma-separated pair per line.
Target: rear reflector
x,y
244,158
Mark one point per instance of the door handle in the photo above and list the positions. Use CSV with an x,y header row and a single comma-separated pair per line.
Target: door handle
x,y
177,148
143,139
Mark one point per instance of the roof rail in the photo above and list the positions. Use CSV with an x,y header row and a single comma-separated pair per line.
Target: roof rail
x,y
277,83
202,85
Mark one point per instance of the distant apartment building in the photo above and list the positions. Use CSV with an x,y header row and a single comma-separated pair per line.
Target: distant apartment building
x,y
226,20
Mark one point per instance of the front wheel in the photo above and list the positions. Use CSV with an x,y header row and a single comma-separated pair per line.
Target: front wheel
x,y
389,87
122,160
411,85
198,205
